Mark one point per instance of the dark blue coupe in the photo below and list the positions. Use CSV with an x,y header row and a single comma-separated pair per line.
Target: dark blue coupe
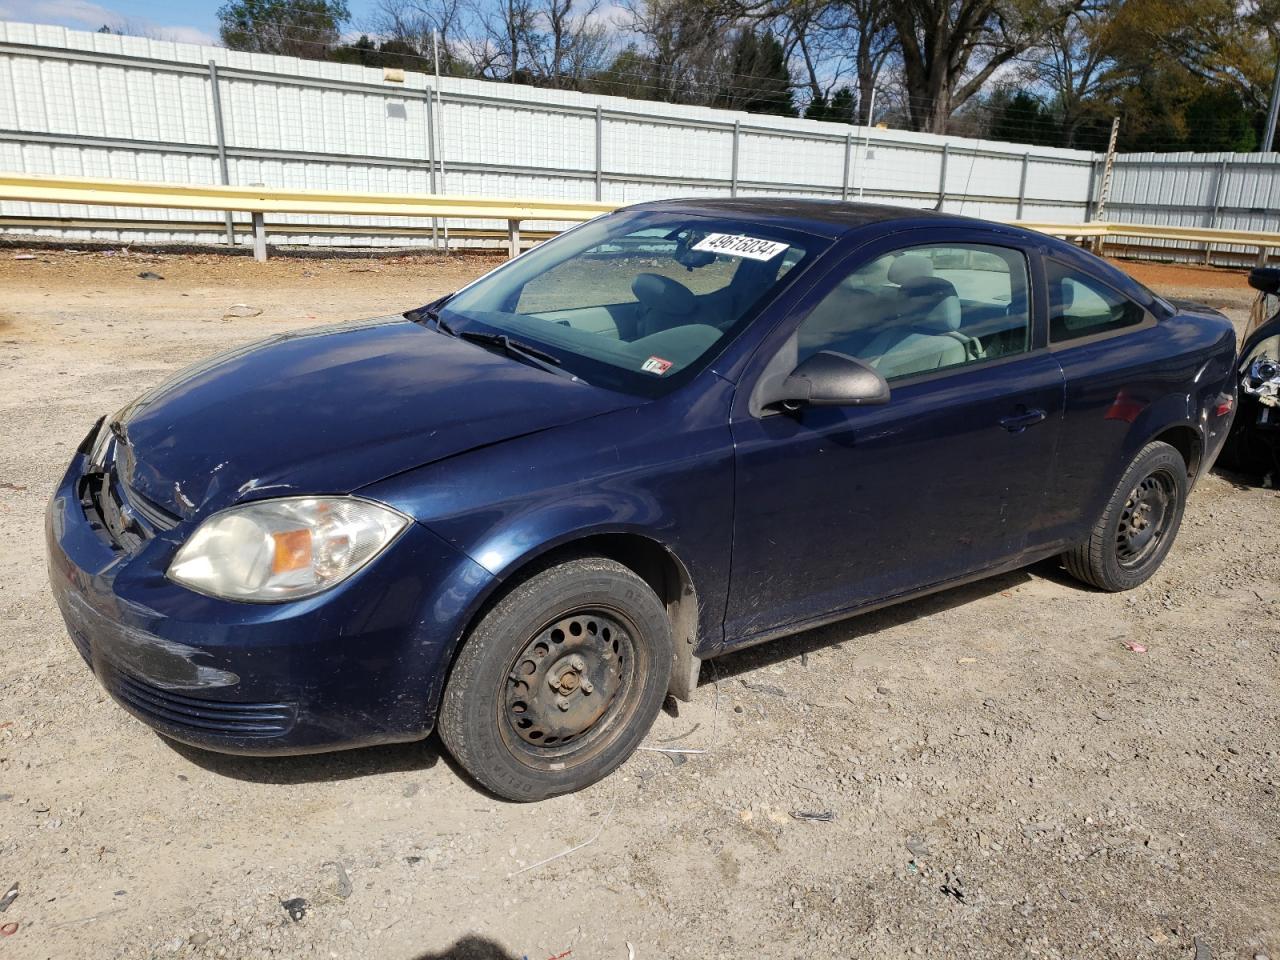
x,y
526,512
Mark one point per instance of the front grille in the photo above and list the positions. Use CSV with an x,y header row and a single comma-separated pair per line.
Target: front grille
x,y
124,517
155,516
81,643
199,714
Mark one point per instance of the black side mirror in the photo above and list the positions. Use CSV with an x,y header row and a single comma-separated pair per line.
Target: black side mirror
x,y
829,379
1266,279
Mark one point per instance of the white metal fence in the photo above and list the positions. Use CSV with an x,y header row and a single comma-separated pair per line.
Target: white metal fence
x,y
86,104
1230,191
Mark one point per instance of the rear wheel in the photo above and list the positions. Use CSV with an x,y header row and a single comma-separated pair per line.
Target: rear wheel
x,y
559,682
1138,526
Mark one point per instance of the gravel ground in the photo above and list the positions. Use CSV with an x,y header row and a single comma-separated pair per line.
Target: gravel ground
x,y
997,773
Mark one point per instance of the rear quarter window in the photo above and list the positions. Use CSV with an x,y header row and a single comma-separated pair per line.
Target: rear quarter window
x,y
1083,306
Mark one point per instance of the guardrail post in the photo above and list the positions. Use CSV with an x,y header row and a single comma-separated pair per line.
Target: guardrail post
x,y
513,237
848,160
259,238
1022,184
599,152
733,175
942,177
220,131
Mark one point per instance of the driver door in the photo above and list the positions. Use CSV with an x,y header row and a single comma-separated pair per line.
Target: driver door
x,y
839,507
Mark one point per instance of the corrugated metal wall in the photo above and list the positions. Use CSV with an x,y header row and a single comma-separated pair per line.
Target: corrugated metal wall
x,y
1231,191
91,104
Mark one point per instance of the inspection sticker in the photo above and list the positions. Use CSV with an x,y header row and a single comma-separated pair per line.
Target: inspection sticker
x,y
739,245
656,365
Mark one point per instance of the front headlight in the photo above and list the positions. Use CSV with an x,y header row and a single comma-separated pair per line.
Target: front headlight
x,y
276,550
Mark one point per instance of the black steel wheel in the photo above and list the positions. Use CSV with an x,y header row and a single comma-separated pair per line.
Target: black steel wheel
x,y
567,679
1138,526
1144,519
559,681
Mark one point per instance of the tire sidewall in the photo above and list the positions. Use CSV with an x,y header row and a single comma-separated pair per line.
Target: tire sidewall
x,y
471,710
1152,458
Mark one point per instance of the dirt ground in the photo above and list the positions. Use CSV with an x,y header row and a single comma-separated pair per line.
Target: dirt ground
x,y
1003,776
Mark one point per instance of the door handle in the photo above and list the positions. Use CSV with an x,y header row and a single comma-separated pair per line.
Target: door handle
x,y
1020,421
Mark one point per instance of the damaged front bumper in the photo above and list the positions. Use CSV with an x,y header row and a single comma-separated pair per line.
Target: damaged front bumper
x,y
1254,444
359,664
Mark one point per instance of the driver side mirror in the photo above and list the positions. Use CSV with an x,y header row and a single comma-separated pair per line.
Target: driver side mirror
x,y
829,379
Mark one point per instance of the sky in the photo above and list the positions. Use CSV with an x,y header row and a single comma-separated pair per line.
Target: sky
x,y
188,21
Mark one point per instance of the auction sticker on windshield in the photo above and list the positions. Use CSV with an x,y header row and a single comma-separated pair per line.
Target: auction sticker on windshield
x,y
738,245
656,365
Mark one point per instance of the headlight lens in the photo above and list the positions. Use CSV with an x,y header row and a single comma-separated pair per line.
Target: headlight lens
x,y
276,550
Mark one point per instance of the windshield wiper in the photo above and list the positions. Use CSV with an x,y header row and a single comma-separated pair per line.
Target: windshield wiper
x,y
432,314
520,351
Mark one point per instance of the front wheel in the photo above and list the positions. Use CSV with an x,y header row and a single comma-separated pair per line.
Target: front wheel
x,y
1138,526
559,682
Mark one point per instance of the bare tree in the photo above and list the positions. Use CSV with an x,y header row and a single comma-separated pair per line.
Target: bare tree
x,y
683,40
832,39
504,31
414,22
1077,65
820,45
951,48
568,44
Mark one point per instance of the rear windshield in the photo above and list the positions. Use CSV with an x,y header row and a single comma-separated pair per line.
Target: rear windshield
x,y
637,302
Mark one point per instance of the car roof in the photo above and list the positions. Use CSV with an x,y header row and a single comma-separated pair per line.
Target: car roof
x,y
825,218
832,219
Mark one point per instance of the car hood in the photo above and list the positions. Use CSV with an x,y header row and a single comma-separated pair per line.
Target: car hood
x,y
332,409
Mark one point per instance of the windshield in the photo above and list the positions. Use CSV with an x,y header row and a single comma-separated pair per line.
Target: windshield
x,y
637,302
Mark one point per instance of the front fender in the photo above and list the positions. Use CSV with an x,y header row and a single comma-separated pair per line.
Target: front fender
x,y
663,471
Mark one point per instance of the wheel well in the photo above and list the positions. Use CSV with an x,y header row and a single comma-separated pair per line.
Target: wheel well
x,y
656,566
1186,441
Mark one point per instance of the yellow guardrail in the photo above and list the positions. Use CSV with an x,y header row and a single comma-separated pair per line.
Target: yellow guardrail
x,y
1209,236
257,201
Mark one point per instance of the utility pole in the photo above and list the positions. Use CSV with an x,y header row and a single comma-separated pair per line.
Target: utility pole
x,y
866,142
1269,139
435,58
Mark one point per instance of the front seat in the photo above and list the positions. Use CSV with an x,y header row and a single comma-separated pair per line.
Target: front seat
x,y
927,334
663,303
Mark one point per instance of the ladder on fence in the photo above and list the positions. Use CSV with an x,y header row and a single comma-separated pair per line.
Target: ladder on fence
x,y
1108,168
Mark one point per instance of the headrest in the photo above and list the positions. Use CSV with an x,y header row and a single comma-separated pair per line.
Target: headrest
x,y
663,294
933,306
910,267
1063,294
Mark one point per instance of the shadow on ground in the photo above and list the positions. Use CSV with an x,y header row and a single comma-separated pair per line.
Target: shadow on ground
x,y
317,767
472,948
863,627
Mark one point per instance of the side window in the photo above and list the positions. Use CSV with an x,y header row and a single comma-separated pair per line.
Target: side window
x,y
1080,306
925,308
